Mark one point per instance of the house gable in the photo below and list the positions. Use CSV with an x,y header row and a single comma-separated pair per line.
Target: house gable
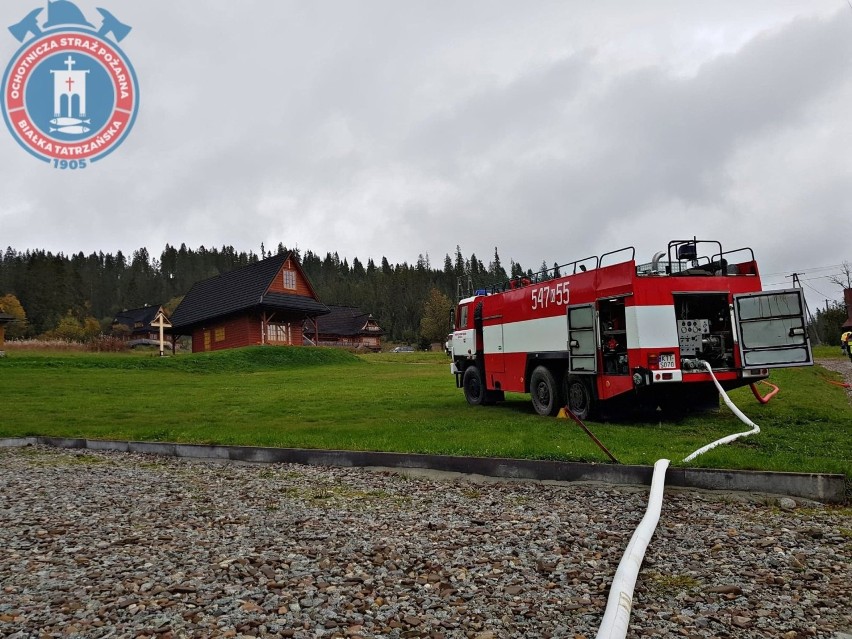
x,y
372,326
291,280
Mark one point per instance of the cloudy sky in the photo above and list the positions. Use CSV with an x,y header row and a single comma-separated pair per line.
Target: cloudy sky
x,y
551,130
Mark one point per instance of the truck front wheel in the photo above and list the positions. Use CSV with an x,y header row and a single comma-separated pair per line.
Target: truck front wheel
x,y
474,389
545,392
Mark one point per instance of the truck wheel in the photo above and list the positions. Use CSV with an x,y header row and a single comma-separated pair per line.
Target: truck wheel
x,y
545,392
474,389
579,397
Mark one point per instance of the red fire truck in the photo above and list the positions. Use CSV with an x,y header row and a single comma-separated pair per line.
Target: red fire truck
x,y
604,332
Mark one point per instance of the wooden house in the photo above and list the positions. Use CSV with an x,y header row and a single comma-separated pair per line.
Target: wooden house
x,y
134,325
5,318
263,303
346,327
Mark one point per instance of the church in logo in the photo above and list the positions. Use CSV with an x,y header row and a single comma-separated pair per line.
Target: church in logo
x,y
70,94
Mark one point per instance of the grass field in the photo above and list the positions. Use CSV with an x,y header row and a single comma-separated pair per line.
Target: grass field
x,y
404,402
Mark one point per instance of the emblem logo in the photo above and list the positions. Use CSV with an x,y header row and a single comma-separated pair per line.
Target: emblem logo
x,y
70,95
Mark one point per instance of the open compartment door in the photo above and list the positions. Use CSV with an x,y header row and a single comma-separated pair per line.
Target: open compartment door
x,y
772,329
582,339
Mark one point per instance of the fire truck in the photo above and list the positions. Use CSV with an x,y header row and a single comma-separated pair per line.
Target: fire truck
x,y
604,332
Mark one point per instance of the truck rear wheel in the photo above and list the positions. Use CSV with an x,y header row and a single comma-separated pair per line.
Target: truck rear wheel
x,y
579,396
474,389
545,392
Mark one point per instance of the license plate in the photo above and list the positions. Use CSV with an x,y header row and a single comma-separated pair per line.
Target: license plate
x,y
667,360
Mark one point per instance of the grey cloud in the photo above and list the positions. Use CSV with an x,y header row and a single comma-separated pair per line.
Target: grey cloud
x,y
551,131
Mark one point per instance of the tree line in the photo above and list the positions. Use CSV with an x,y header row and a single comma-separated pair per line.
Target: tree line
x,y
828,323
58,292
77,296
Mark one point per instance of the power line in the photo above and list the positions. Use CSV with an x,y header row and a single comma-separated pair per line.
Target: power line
x,y
806,270
801,282
815,291
807,279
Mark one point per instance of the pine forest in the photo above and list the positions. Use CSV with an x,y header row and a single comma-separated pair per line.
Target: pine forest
x,y
84,292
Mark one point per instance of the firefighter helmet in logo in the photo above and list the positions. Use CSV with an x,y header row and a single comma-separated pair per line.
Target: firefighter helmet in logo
x,y
70,95
63,12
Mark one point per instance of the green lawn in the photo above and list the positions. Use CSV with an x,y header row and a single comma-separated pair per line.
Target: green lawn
x,y
405,402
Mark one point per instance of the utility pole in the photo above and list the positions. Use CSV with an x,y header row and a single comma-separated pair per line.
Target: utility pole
x,y
798,284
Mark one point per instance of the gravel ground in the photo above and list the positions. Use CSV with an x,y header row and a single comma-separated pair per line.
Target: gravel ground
x,y
842,366
121,545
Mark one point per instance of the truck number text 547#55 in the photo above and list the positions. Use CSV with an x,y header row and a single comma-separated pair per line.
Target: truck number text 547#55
x,y
547,295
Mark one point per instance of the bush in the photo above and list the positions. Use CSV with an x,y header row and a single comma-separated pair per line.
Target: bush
x,y
107,344
44,345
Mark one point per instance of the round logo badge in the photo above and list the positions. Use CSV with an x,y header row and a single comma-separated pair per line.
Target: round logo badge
x,y
70,95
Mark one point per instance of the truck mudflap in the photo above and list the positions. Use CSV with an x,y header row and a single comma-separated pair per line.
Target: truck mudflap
x,y
772,329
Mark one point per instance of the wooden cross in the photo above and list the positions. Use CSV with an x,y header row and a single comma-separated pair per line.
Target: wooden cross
x,y
161,322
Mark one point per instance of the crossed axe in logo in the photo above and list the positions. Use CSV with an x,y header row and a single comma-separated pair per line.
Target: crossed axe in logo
x,y
110,24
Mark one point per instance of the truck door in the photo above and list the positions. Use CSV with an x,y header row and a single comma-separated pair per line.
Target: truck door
x,y
772,329
492,337
582,339
464,336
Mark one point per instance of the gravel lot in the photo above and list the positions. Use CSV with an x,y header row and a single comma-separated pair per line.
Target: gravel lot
x,y
121,545
842,366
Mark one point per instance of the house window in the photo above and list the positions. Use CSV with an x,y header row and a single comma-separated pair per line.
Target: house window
x,y
290,279
220,334
278,333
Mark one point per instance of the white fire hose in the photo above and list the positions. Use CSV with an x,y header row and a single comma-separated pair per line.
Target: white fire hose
x,y
755,429
620,601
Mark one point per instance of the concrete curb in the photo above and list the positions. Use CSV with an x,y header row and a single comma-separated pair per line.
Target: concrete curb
x,y
828,488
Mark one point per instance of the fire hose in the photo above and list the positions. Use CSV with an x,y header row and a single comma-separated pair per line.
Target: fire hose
x,y
755,429
765,398
620,601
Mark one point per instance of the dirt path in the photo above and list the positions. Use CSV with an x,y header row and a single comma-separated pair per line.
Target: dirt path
x,y
841,366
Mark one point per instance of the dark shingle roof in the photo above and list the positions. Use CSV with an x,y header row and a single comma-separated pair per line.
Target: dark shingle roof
x,y
241,290
137,316
344,321
294,303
